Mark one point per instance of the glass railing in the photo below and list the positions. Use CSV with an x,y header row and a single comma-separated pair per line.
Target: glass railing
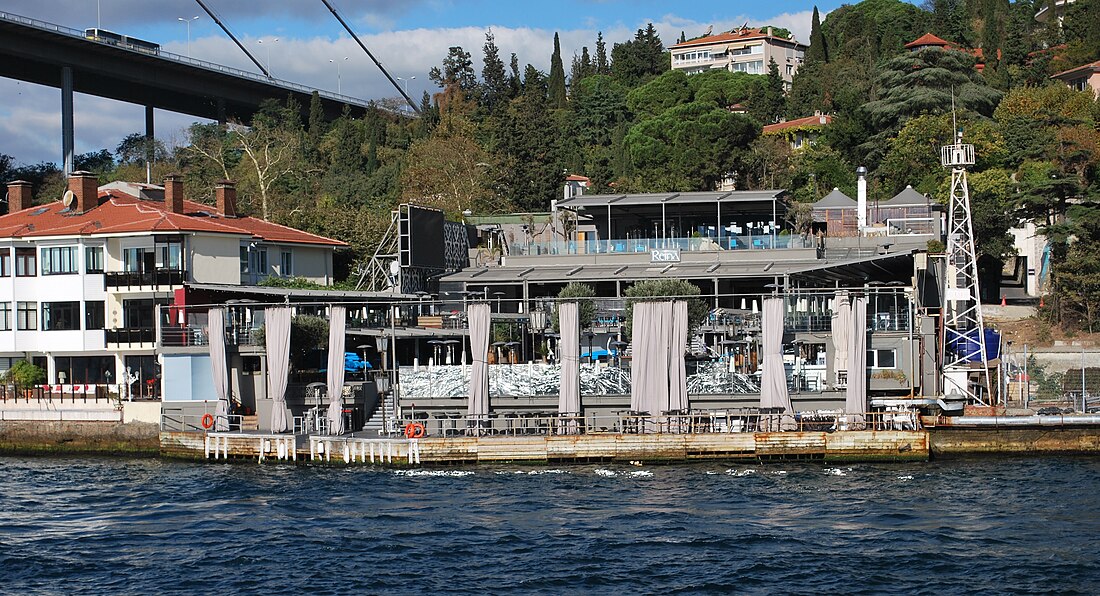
x,y
645,245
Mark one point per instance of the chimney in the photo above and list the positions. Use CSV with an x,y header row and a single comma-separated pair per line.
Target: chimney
x,y
769,31
173,193
19,195
226,194
861,197
85,187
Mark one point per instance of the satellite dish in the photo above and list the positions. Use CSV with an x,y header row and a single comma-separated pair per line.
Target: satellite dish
x,y
68,198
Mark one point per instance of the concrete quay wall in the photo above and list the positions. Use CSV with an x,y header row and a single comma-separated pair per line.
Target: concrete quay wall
x,y
1060,440
837,446
78,437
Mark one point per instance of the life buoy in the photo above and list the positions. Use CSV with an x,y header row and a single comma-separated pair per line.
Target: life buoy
x,y
207,421
414,430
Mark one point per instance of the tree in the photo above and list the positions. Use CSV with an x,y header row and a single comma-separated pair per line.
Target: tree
x,y
528,150
639,59
449,171
556,83
317,125
496,88
24,375
583,295
99,162
136,148
458,70
688,148
651,290
271,153
208,157
603,67
817,52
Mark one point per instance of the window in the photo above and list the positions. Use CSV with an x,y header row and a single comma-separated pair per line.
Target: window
x,y
254,261
169,250
747,51
286,264
138,260
26,262
755,67
94,317
5,316
790,69
138,313
5,262
26,316
59,260
60,316
79,370
93,259
881,359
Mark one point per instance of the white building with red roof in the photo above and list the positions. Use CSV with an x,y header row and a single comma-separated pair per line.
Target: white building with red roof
x,y
741,50
81,277
1082,78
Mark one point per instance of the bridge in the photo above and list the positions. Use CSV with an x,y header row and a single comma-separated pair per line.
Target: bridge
x,y
47,54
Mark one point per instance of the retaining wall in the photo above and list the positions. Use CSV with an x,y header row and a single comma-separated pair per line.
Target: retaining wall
x,y
79,436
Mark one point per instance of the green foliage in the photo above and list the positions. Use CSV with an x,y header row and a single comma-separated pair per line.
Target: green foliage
x,y
818,50
555,84
666,289
296,283
307,333
866,31
639,59
688,147
24,375
586,305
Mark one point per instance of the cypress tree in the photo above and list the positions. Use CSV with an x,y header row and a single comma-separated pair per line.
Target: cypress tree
x,y
556,83
515,80
817,51
603,67
494,80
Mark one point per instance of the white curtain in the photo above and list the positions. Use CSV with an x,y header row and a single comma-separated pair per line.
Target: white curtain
x,y
336,327
569,392
773,381
855,397
649,369
478,318
277,340
218,368
677,369
842,329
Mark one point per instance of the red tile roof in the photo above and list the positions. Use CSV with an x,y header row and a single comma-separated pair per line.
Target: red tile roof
x,y
928,40
1091,67
120,213
807,121
730,36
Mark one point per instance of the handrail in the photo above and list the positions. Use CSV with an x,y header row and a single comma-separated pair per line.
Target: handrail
x,y
69,31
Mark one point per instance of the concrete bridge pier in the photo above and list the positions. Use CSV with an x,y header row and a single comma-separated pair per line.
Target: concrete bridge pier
x,y
149,147
67,117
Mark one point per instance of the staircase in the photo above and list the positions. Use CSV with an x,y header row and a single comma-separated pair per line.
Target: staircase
x,y
374,426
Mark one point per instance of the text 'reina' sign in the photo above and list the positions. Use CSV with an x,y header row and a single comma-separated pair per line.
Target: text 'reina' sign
x,y
664,255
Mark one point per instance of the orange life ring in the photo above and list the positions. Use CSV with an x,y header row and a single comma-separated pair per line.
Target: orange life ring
x,y
207,421
414,430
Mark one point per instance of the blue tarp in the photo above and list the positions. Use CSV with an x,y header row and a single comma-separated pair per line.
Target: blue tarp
x,y
352,363
967,343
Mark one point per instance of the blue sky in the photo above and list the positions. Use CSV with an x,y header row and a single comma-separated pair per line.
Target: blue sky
x,y
408,36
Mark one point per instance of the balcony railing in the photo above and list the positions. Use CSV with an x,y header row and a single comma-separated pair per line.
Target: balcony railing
x,y
644,245
159,277
130,336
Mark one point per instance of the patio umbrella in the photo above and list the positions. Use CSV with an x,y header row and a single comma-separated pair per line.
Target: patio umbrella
x,y
855,396
478,317
569,390
773,380
336,326
677,370
277,347
842,328
218,368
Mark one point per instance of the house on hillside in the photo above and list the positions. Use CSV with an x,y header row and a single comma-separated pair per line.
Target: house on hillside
x,y
800,132
1082,78
928,41
741,50
81,278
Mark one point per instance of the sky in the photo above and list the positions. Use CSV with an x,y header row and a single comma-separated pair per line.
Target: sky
x,y
303,43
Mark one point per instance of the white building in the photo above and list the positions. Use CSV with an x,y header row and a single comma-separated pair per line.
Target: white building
x,y
740,50
81,278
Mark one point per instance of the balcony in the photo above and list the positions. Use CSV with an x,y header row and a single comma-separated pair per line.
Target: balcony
x,y
146,279
131,336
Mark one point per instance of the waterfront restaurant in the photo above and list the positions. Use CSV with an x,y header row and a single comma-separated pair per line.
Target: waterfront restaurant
x,y
779,312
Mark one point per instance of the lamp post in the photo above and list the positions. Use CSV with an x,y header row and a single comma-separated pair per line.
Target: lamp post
x,y
188,23
270,42
339,90
537,318
363,350
406,82
383,344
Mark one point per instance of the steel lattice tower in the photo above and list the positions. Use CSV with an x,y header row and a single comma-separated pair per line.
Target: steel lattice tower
x,y
963,340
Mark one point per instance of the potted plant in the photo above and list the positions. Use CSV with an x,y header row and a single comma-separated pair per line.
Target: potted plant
x,y
24,375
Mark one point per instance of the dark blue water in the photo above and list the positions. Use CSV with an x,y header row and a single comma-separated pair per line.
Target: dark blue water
x,y
97,526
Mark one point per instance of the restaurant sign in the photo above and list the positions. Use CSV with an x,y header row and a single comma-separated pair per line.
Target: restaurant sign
x,y
664,255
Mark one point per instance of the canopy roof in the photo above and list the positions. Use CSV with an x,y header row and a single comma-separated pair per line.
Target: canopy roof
x,y
907,198
672,198
835,200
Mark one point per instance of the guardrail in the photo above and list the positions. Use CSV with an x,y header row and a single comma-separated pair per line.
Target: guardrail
x,y
211,66
702,421
59,393
175,420
160,277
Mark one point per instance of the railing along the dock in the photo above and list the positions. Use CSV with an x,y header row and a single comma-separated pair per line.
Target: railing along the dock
x,y
703,421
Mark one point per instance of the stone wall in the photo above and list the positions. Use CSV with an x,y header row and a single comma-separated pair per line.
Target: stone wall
x,y
63,437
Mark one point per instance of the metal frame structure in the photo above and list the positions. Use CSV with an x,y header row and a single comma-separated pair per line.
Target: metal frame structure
x,y
962,316
383,273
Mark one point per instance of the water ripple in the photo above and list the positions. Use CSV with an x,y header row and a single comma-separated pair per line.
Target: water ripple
x,y
93,526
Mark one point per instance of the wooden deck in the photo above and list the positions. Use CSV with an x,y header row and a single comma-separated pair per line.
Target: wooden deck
x,y
651,447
